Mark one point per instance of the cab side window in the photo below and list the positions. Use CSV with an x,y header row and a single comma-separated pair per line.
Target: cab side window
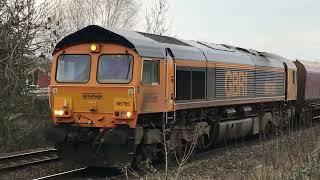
x,y
150,73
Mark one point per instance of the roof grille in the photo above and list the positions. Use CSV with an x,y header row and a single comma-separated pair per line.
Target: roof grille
x,y
215,46
164,39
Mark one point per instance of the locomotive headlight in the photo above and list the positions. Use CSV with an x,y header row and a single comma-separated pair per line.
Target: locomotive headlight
x,y
94,48
58,112
129,114
123,115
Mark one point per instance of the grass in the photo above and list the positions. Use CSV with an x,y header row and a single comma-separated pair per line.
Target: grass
x,y
294,156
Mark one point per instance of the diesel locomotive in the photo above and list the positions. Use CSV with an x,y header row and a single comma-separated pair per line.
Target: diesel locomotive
x,y
119,96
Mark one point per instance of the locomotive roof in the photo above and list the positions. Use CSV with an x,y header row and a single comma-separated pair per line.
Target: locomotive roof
x,y
219,53
97,34
290,64
156,46
262,58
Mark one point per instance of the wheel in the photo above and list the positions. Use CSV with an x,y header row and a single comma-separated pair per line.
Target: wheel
x,y
269,130
205,141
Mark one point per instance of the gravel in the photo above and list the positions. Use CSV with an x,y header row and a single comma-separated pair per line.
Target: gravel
x,y
35,171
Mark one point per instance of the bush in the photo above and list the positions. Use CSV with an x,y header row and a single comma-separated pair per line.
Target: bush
x,y
25,130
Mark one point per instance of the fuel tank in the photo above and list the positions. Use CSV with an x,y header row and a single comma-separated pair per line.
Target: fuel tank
x,y
236,129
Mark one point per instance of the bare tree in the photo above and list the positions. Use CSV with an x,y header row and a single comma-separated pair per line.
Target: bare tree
x,y
119,13
156,17
77,14
48,29
188,149
21,23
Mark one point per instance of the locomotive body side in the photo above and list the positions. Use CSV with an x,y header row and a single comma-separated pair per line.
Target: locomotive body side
x,y
232,76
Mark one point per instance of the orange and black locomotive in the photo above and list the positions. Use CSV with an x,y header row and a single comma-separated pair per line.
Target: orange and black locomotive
x,y
113,94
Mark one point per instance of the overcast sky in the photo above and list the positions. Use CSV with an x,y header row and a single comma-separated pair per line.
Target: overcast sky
x,y
290,28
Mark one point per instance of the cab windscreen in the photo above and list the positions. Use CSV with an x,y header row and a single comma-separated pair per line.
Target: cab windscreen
x,y
73,68
115,69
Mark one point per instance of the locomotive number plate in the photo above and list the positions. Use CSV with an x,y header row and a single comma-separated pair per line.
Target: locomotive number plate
x,y
123,104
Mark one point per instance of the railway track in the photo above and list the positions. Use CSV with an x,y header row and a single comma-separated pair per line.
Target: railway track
x,y
25,159
64,175
85,173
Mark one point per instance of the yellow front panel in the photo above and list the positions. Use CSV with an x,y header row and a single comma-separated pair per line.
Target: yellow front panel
x,y
93,99
63,102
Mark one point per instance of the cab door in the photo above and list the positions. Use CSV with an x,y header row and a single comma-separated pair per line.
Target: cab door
x,y
153,85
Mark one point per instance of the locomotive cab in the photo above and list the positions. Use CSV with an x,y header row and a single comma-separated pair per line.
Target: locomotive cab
x,y
93,90
99,86
106,88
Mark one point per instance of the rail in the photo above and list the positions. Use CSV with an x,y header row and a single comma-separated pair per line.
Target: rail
x,y
29,158
62,174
